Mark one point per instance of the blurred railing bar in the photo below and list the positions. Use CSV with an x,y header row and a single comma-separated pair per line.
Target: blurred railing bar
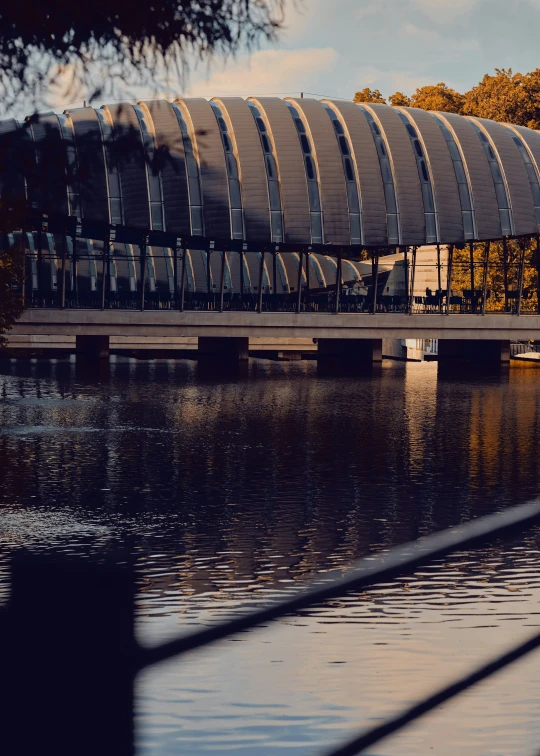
x,y
367,572
359,744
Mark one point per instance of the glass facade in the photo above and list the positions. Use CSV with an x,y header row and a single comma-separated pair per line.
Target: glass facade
x,y
505,213
392,212
272,176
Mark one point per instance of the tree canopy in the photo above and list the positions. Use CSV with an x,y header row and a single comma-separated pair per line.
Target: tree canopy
x,y
502,96
92,46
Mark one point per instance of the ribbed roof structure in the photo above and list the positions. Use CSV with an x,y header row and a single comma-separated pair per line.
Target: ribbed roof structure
x,y
293,171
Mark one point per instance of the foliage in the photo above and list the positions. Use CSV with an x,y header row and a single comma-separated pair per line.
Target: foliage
x,y
506,97
91,47
369,95
11,282
398,99
438,97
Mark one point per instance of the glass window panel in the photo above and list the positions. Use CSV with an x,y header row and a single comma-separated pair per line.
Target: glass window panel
x,y
349,169
226,143
277,230
411,129
309,168
116,210
468,226
393,233
157,216
193,168
480,133
460,172
537,211
390,196
427,196
265,143
222,124
536,194
424,171
356,237
234,190
386,172
491,153
382,148
305,144
431,228
337,125
316,228
273,189
114,185
464,196
504,215
531,173
418,148
154,188
501,195
237,224
454,152
254,110
232,167
352,193
344,145
375,128
260,124
271,166
313,193
194,192
300,126
293,110
196,221
495,172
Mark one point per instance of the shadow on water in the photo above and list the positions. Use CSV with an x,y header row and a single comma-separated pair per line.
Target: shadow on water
x,y
232,488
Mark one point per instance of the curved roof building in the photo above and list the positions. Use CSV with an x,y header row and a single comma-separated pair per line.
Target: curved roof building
x,y
289,172
298,171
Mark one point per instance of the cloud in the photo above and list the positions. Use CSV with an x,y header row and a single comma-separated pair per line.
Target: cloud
x,y
266,72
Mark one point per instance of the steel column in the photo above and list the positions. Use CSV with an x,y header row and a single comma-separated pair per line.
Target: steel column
x,y
413,273
374,278
471,258
175,275
485,277
338,280
538,274
449,277
39,266
505,273
308,298
261,273
183,280
104,272
439,283
406,276
222,281
142,248
299,291
63,278
522,245
242,278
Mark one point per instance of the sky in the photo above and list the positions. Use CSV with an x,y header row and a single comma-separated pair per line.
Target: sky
x,y
335,47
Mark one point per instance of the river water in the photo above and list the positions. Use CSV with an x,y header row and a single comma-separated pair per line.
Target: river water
x,y
232,490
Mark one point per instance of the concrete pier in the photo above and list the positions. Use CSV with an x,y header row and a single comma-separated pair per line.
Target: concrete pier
x,y
468,353
94,347
350,351
232,348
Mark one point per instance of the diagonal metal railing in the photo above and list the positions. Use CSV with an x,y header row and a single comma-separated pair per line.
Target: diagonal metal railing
x,y
85,660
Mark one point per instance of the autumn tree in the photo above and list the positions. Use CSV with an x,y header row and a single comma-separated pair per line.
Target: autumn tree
x,y
398,99
369,95
506,96
438,97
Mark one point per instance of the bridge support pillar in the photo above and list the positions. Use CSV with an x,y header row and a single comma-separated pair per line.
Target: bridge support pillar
x,y
230,348
350,352
473,354
96,347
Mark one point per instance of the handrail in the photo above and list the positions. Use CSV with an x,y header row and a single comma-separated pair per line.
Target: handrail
x,y
369,571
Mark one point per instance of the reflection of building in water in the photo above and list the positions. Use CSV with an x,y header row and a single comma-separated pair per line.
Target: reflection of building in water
x,y
243,484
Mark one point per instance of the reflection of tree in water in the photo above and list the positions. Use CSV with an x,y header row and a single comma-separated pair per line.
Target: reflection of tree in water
x,y
269,479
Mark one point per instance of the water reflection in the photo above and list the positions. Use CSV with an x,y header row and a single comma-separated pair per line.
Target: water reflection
x,y
230,489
